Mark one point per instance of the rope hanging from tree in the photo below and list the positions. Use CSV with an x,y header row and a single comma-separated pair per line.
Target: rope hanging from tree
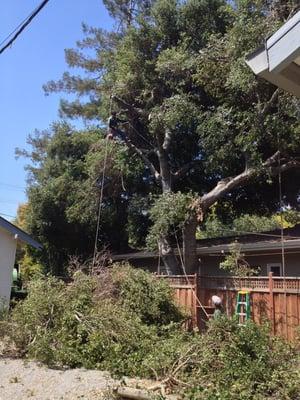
x,y
100,202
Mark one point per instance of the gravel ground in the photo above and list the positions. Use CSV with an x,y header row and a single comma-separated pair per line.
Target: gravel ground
x,y
21,380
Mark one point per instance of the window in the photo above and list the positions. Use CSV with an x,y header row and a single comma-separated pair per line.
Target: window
x,y
275,268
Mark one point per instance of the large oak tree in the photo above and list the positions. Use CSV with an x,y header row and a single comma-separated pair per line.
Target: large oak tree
x,y
202,125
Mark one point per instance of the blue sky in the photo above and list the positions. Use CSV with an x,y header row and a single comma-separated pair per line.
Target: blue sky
x,y
35,57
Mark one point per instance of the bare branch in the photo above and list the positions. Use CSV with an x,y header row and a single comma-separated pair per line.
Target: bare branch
x,y
285,167
135,112
269,103
226,185
146,160
167,140
185,168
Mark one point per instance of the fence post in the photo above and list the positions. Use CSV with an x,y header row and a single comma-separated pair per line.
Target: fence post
x,y
195,299
271,302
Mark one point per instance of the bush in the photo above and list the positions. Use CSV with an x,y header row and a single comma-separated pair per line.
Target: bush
x,y
146,296
112,322
233,362
125,321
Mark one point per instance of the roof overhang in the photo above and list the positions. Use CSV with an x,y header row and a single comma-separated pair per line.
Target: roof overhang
x,y
292,244
278,61
19,234
220,249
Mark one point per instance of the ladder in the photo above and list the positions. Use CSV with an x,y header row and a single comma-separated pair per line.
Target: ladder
x,y
242,310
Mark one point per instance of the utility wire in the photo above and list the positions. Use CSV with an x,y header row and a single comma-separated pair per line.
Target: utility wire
x,y
16,28
19,29
10,186
7,215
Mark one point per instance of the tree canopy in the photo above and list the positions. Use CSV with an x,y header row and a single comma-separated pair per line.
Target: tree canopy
x,y
201,127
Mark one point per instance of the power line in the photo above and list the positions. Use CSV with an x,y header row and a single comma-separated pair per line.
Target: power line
x,y
12,187
19,29
7,215
9,201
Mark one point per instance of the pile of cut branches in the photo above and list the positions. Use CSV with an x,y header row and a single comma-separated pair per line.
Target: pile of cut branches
x,y
125,321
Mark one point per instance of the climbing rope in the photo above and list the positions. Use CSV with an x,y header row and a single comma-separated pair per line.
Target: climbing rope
x,y
187,278
142,136
282,236
100,201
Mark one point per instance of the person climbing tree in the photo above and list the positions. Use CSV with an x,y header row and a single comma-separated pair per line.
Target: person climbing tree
x,y
113,127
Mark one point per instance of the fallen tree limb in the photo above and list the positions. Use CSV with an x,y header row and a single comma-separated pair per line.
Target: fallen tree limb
x,y
138,394
134,394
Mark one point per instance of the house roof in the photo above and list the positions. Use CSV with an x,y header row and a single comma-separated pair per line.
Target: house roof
x,y
278,60
22,236
250,247
250,242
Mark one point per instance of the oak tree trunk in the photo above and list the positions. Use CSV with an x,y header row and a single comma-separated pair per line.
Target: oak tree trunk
x,y
166,250
170,262
190,258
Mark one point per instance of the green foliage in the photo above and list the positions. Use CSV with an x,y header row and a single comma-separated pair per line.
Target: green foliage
x,y
254,223
64,189
169,212
96,323
148,297
112,322
138,221
215,227
29,267
176,71
242,362
236,264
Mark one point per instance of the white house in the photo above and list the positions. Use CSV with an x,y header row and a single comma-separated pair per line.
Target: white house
x,y
278,60
9,236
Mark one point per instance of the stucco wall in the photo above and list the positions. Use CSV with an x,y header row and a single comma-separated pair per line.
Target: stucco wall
x,y
210,264
7,260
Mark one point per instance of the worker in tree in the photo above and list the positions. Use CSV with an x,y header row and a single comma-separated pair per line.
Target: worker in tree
x,y
113,127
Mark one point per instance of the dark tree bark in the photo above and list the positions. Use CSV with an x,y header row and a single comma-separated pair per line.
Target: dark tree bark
x,y
170,262
189,245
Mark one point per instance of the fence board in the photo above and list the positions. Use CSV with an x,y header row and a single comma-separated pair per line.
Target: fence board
x,y
272,298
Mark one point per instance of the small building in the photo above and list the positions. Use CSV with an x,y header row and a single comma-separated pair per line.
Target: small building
x,y
278,60
263,251
9,236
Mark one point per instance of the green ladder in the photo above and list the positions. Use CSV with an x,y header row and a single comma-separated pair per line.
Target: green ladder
x,y
242,310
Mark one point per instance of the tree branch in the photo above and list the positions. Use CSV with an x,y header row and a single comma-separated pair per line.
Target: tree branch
x,y
146,160
269,103
285,167
136,112
226,185
185,168
167,140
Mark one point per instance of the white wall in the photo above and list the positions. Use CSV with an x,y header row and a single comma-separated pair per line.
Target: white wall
x,y
8,246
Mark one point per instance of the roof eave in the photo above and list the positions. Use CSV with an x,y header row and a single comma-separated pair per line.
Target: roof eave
x,y
250,247
21,235
275,61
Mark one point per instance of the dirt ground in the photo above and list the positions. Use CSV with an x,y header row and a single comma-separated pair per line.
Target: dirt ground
x,y
21,380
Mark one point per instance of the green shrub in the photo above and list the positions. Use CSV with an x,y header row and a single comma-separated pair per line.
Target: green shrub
x,y
148,297
32,320
112,322
125,321
241,363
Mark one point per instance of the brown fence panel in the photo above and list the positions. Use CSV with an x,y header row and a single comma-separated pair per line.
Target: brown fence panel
x,y
185,293
273,299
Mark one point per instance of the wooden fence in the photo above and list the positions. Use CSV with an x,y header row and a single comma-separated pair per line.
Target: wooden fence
x,y
275,299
